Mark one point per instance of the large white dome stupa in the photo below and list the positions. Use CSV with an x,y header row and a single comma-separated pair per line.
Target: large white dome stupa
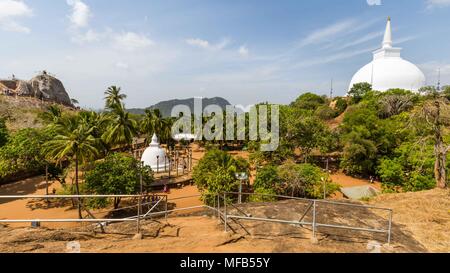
x,y
155,157
388,70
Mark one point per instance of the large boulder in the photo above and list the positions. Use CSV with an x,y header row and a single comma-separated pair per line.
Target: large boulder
x,y
24,89
49,88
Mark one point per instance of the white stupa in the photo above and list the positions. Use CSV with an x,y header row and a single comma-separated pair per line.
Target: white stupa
x,y
155,157
388,70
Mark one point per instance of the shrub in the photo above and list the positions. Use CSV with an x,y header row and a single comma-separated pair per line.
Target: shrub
x,y
215,173
325,112
305,180
341,105
267,178
309,101
359,90
3,132
21,155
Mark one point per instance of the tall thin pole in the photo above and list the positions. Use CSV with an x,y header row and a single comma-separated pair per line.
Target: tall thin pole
x,y
331,90
314,219
46,181
141,182
439,80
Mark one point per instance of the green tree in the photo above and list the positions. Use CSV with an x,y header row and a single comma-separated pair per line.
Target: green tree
x,y
113,97
325,112
341,105
52,115
359,90
117,174
22,154
3,132
215,173
121,128
308,101
74,141
267,178
305,180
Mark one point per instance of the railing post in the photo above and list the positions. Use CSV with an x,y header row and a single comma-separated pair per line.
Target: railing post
x,y
218,206
139,215
225,217
167,201
157,164
390,227
314,219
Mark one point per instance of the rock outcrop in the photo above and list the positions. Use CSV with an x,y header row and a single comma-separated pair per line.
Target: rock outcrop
x,y
43,87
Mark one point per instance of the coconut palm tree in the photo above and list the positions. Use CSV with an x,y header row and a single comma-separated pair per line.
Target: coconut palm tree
x,y
121,128
52,115
73,141
114,97
154,123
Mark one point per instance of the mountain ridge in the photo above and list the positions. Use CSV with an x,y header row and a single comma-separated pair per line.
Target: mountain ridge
x,y
166,106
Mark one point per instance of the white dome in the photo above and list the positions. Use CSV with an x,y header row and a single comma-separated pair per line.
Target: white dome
x,y
388,70
388,73
155,157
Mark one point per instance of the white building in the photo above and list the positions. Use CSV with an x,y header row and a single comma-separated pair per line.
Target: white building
x,y
388,70
155,157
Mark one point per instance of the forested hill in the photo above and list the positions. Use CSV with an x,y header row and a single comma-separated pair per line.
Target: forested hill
x,y
166,106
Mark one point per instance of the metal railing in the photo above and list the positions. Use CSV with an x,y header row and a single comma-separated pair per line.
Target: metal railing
x,y
312,205
223,214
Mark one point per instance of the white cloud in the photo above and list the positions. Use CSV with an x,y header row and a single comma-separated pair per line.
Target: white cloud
x,y
87,37
374,2
327,33
81,13
10,11
359,41
131,41
333,58
437,3
198,42
207,45
243,51
122,65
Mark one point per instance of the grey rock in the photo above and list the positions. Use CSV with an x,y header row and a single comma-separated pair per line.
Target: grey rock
x,y
47,87
43,86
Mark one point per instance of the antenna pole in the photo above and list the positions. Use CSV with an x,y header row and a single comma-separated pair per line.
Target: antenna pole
x,y
331,90
439,80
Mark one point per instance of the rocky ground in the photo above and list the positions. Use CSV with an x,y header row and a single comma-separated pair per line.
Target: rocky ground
x,y
421,224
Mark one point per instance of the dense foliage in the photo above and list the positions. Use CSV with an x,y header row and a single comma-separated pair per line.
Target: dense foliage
x,y
3,132
22,154
291,179
216,173
117,174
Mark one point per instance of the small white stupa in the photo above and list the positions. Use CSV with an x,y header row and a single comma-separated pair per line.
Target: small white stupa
x,y
155,157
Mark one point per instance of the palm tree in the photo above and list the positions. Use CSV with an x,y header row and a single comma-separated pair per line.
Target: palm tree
x,y
74,141
52,115
153,123
121,129
113,97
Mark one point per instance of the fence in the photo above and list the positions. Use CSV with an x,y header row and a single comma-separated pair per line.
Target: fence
x,y
311,207
222,205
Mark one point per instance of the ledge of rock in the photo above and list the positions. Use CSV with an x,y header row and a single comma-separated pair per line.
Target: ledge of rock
x,y
43,86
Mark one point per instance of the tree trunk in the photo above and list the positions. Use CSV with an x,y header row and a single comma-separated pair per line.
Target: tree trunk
x,y
440,166
440,151
77,188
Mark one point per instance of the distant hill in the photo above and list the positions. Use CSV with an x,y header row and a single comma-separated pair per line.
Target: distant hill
x,y
166,106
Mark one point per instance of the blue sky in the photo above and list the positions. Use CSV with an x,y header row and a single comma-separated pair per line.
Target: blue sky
x,y
246,51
